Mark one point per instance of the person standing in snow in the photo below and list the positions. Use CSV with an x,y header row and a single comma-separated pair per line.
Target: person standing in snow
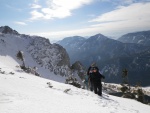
x,y
95,79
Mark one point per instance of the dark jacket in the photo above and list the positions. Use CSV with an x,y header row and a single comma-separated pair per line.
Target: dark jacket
x,y
95,77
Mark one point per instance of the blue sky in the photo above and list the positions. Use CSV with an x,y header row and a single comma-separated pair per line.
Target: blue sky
x,y
56,19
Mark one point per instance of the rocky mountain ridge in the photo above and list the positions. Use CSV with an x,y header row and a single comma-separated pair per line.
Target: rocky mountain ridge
x,y
37,51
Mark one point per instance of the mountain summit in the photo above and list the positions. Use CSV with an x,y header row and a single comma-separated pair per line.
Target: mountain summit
x,y
8,30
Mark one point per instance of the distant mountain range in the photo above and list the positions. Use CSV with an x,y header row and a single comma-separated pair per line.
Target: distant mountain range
x,y
131,51
142,37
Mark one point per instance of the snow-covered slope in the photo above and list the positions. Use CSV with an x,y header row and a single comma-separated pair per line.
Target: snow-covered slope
x,y
24,93
51,60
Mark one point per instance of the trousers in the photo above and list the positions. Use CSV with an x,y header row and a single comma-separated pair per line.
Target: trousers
x,y
97,87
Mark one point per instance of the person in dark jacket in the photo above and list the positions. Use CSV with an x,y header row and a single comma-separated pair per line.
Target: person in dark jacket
x,y
95,79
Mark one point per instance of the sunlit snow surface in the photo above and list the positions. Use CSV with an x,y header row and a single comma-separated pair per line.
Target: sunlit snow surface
x,y
25,93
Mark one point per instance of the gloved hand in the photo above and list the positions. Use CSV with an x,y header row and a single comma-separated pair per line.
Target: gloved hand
x,y
103,76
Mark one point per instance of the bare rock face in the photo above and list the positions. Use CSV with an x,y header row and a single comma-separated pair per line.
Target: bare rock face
x,y
46,55
79,69
51,56
8,30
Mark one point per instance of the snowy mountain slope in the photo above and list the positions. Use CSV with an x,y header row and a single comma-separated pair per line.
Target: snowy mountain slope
x,y
8,57
38,52
24,93
142,37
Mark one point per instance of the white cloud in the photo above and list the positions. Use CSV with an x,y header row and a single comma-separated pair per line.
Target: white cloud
x,y
57,13
135,17
20,23
35,6
67,4
36,15
138,11
36,1
124,2
58,9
